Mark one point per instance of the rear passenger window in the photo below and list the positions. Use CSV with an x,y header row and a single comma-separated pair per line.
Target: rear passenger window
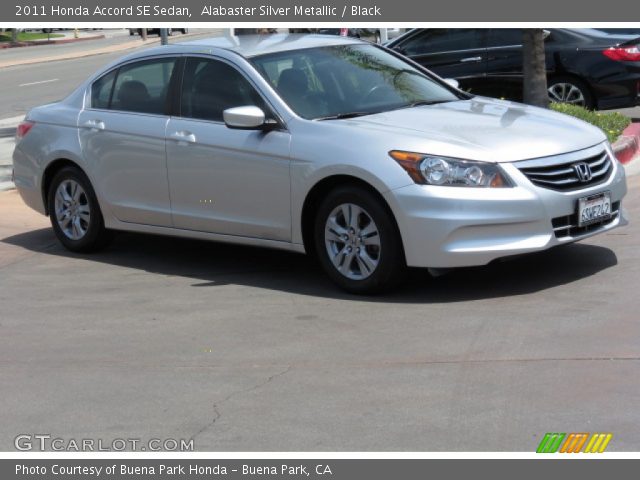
x,y
143,86
101,90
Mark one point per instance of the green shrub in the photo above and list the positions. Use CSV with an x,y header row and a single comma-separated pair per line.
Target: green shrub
x,y
612,124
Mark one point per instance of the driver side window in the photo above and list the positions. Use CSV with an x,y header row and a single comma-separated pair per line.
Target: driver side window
x,y
210,86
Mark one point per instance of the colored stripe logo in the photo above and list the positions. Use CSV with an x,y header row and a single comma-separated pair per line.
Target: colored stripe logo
x,y
574,442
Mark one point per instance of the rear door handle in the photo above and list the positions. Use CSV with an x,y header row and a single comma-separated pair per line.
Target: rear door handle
x,y
470,59
183,136
94,124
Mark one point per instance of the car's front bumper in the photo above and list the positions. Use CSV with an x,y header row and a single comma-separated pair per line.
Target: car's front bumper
x,y
446,227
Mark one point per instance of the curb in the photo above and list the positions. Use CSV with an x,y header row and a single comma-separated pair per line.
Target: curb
x,y
5,178
627,147
35,43
84,53
88,53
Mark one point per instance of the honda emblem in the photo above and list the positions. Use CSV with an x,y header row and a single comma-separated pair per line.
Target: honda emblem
x,y
583,171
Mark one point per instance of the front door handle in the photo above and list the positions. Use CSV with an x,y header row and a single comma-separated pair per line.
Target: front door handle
x,y
470,59
183,136
94,124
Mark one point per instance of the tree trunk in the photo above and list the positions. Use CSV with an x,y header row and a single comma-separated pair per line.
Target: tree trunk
x,y
533,68
14,35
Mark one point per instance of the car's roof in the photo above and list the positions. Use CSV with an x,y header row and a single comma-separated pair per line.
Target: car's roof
x,y
252,45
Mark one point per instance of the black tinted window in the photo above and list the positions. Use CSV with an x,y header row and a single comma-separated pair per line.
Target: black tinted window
x,y
435,40
210,87
101,90
502,37
143,86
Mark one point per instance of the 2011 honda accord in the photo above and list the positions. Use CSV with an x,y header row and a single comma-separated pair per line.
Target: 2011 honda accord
x,y
316,144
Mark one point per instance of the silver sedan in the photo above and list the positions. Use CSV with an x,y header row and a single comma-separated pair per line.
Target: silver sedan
x,y
316,144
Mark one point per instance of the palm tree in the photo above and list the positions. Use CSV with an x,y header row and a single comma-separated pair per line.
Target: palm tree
x,y
534,69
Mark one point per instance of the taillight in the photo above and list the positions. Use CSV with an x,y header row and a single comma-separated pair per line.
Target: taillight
x,y
23,129
344,32
623,54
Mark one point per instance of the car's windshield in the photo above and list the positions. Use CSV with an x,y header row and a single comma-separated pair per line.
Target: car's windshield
x,y
347,80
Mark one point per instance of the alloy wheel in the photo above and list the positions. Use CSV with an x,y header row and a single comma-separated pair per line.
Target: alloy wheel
x,y
352,241
564,92
72,209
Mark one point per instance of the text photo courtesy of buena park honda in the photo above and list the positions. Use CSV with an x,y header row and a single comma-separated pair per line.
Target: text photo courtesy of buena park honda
x,y
318,239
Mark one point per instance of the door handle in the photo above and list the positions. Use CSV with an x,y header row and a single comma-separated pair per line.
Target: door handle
x,y
470,59
183,136
94,124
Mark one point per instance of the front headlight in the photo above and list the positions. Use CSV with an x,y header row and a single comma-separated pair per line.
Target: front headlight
x,y
452,172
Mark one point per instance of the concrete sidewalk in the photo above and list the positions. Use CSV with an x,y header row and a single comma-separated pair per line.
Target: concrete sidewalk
x,y
123,46
7,142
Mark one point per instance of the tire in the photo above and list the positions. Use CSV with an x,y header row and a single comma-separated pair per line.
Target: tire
x,y
375,261
572,90
75,213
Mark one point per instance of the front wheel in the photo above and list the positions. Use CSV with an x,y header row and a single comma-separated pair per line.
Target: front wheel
x,y
75,213
357,241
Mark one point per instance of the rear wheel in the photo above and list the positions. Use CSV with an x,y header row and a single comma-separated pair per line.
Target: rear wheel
x,y
570,90
357,241
75,213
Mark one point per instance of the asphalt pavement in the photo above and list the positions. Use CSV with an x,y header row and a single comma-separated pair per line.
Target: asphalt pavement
x,y
246,349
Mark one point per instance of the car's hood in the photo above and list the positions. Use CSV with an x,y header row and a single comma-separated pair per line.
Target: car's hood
x,y
482,129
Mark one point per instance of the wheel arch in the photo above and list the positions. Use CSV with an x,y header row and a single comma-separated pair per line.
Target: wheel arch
x,y
314,198
49,172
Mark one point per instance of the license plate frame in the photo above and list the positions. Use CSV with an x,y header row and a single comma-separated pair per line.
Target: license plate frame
x,y
598,203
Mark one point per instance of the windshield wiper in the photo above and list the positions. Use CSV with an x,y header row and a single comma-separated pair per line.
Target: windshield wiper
x,y
420,103
340,116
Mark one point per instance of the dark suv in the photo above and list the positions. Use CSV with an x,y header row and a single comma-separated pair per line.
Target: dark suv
x,y
586,67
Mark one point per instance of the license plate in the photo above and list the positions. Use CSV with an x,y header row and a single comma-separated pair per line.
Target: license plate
x,y
594,208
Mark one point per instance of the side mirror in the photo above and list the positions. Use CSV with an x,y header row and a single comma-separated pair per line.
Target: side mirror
x,y
452,82
246,118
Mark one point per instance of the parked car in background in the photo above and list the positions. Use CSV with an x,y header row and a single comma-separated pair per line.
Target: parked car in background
x,y
371,34
586,67
151,31
326,145
622,31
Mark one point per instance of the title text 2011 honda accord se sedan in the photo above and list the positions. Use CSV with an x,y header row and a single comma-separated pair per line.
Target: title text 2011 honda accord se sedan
x,y
324,145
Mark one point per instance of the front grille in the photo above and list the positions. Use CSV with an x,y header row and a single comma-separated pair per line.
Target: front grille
x,y
567,225
563,176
